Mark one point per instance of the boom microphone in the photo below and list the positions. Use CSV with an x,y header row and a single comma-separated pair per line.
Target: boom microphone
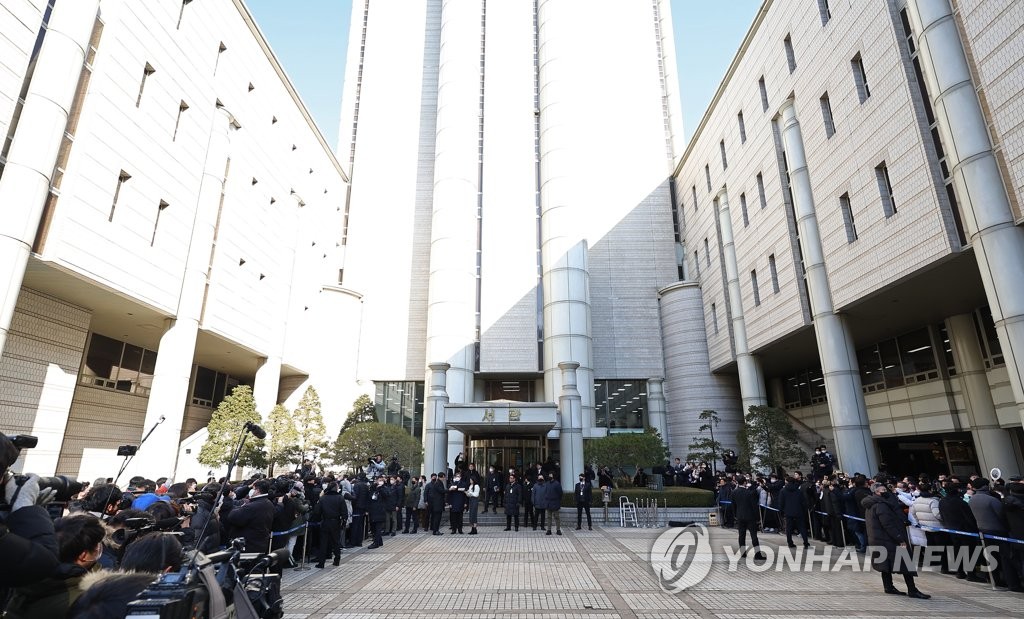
x,y
257,431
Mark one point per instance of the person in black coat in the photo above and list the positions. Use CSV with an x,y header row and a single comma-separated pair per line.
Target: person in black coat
x,y
254,519
584,495
434,496
513,497
957,515
28,542
745,503
493,488
360,502
377,509
457,499
331,512
887,535
553,502
793,505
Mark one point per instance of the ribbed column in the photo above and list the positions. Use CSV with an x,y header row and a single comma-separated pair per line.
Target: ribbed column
x,y
846,407
451,309
435,436
570,437
25,183
565,274
992,443
998,243
656,407
748,366
170,395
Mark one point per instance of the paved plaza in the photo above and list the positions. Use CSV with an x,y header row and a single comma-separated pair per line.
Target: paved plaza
x,y
599,574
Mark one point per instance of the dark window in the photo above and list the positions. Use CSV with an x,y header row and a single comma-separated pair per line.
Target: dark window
x,y
620,404
885,190
146,72
917,356
775,274
102,361
764,94
760,191
114,364
400,404
860,78
707,176
947,350
753,284
790,56
121,179
743,209
743,128
203,390
721,147
826,115
714,317
848,222
989,337
824,11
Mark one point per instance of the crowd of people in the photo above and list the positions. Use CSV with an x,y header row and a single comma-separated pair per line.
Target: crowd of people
x,y
886,516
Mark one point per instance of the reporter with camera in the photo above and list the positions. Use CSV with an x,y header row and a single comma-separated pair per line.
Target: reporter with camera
x,y
253,520
375,467
28,543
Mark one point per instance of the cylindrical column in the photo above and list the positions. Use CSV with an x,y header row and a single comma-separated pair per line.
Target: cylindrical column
x,y
25,183
570,437
748,366
169,395
435,434
564,250
451,305
690,385
846,407
998,243
995,449
656,407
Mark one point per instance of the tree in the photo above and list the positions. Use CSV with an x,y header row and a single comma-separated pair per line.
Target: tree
x,y
282,447
769,438
363,411
364,440
706,448
309,424
616,451
225,431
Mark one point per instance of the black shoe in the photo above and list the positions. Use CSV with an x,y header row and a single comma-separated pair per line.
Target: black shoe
x,y
534,528
337,562
438,533
413,531
917,595
319,565
393,533
508,528
558,532
974,578
460,532
760,556
791,545
589,528
961,576
549,532
895,591
472,531
517,528
806,545
579,528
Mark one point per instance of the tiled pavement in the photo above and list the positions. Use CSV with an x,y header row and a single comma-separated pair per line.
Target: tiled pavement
x,y
600,574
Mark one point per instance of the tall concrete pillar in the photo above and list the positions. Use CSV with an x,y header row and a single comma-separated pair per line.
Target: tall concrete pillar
x,y
992,443
25,183
451,304
265,387
570,437
998,243
435,435
656,407
169,395
564,250
748,366
854,447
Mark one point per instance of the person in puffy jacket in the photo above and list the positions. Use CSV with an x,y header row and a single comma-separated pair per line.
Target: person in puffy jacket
x,y
539,505
553,502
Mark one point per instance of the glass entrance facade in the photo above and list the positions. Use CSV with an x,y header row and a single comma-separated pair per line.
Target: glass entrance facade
x,y
506,453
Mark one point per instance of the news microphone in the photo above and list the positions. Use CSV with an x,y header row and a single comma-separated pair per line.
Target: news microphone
x,y
257,431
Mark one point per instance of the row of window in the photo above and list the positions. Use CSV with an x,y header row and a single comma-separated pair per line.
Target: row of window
x,y
400,404
620,404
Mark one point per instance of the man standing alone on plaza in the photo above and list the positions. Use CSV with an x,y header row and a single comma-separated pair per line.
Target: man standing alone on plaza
x,y
584,495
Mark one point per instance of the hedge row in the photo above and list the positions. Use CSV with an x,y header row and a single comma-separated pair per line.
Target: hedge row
x,y
676,497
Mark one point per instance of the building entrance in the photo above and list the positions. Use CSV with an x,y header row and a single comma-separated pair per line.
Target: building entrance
x,y
506,453
931,454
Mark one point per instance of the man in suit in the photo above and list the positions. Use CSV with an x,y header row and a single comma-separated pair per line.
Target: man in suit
x,y
745,500
584,495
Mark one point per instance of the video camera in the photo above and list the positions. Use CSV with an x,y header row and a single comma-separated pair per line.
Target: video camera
x,y
213,583
64,486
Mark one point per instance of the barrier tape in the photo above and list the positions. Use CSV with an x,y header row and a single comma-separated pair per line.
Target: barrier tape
x,y
290,531
981,536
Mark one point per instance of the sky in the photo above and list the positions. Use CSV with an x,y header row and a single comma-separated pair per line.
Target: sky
x,y
310,39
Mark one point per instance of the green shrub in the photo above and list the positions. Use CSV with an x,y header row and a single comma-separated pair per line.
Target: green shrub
x,y
676,497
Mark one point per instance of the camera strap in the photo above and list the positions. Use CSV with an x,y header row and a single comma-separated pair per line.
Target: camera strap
x,y
218,606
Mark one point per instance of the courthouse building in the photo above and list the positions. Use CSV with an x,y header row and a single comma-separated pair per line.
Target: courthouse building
x,y
513,250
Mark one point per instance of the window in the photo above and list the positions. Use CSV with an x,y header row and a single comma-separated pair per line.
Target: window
x,y
721,147
743,209
181,13
885,190
696,264
790,56
743,128
826,115
210,387
146,72
156,222
774,273
947,348
764,94
400,404
860,78
220,50
760,191
918,356
988,337
121,179
620,404
113,364
851,227
753,285
707,251
181,108
823,9
707,176
694,190
714,318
